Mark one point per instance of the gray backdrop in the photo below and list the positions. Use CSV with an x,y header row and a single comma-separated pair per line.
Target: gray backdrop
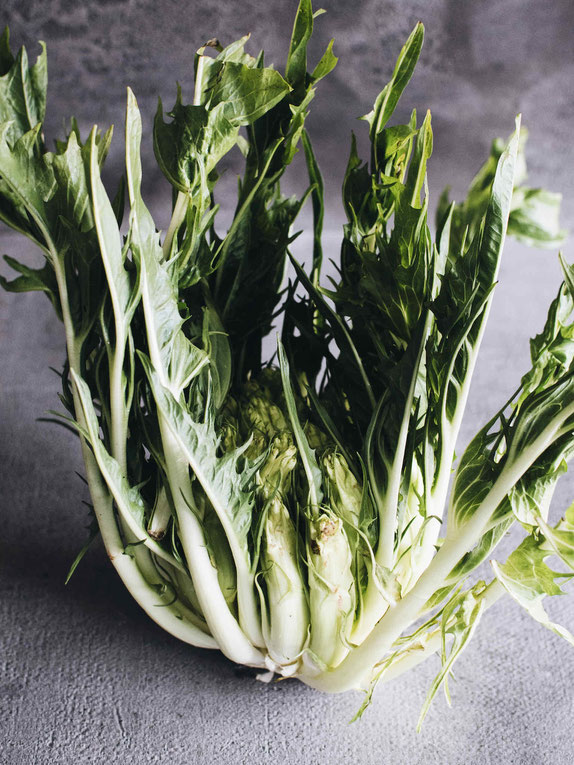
x,y
85,677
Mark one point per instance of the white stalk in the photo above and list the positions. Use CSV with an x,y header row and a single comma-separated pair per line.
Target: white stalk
x,y
246,600
112,254
161,516
118,402
449,433
374,607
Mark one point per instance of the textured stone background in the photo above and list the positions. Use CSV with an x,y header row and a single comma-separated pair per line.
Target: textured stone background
x,y
85,677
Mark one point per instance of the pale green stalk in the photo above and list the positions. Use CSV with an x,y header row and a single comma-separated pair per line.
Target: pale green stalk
x,y
385,552
222,624
449,434
356,670
174,618
375,603
287,614
177,218
183,197
331,589
431,643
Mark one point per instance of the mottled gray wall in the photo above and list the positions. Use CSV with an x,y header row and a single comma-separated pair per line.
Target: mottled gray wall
x,y
483,61
85,676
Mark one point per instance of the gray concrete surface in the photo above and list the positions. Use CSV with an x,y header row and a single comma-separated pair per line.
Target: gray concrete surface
x,y
85,677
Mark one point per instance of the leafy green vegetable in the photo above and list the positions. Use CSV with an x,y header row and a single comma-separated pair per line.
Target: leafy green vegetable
x,y
290,515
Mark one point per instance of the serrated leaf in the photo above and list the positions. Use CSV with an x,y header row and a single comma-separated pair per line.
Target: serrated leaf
x,y
128,499
29,180
188,148
22,90
33,279
245,93
528,579
227,481
459,618
535,218
534,214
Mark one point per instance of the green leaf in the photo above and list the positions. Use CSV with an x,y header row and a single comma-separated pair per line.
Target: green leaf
x,y
318,199
188,148
532,446
417,169
6,57
560,538
357,187
71,168
216,345
337,325
93,532
296,70
461,310
28,179
534,214
118,202
228,481
177,359
389,96
542,412
110,242
552,351
252,261
498,210
209,69
326,64
474,557
70,213
22,90
531,497
535,218
248,281
528,579
33,279
245,93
